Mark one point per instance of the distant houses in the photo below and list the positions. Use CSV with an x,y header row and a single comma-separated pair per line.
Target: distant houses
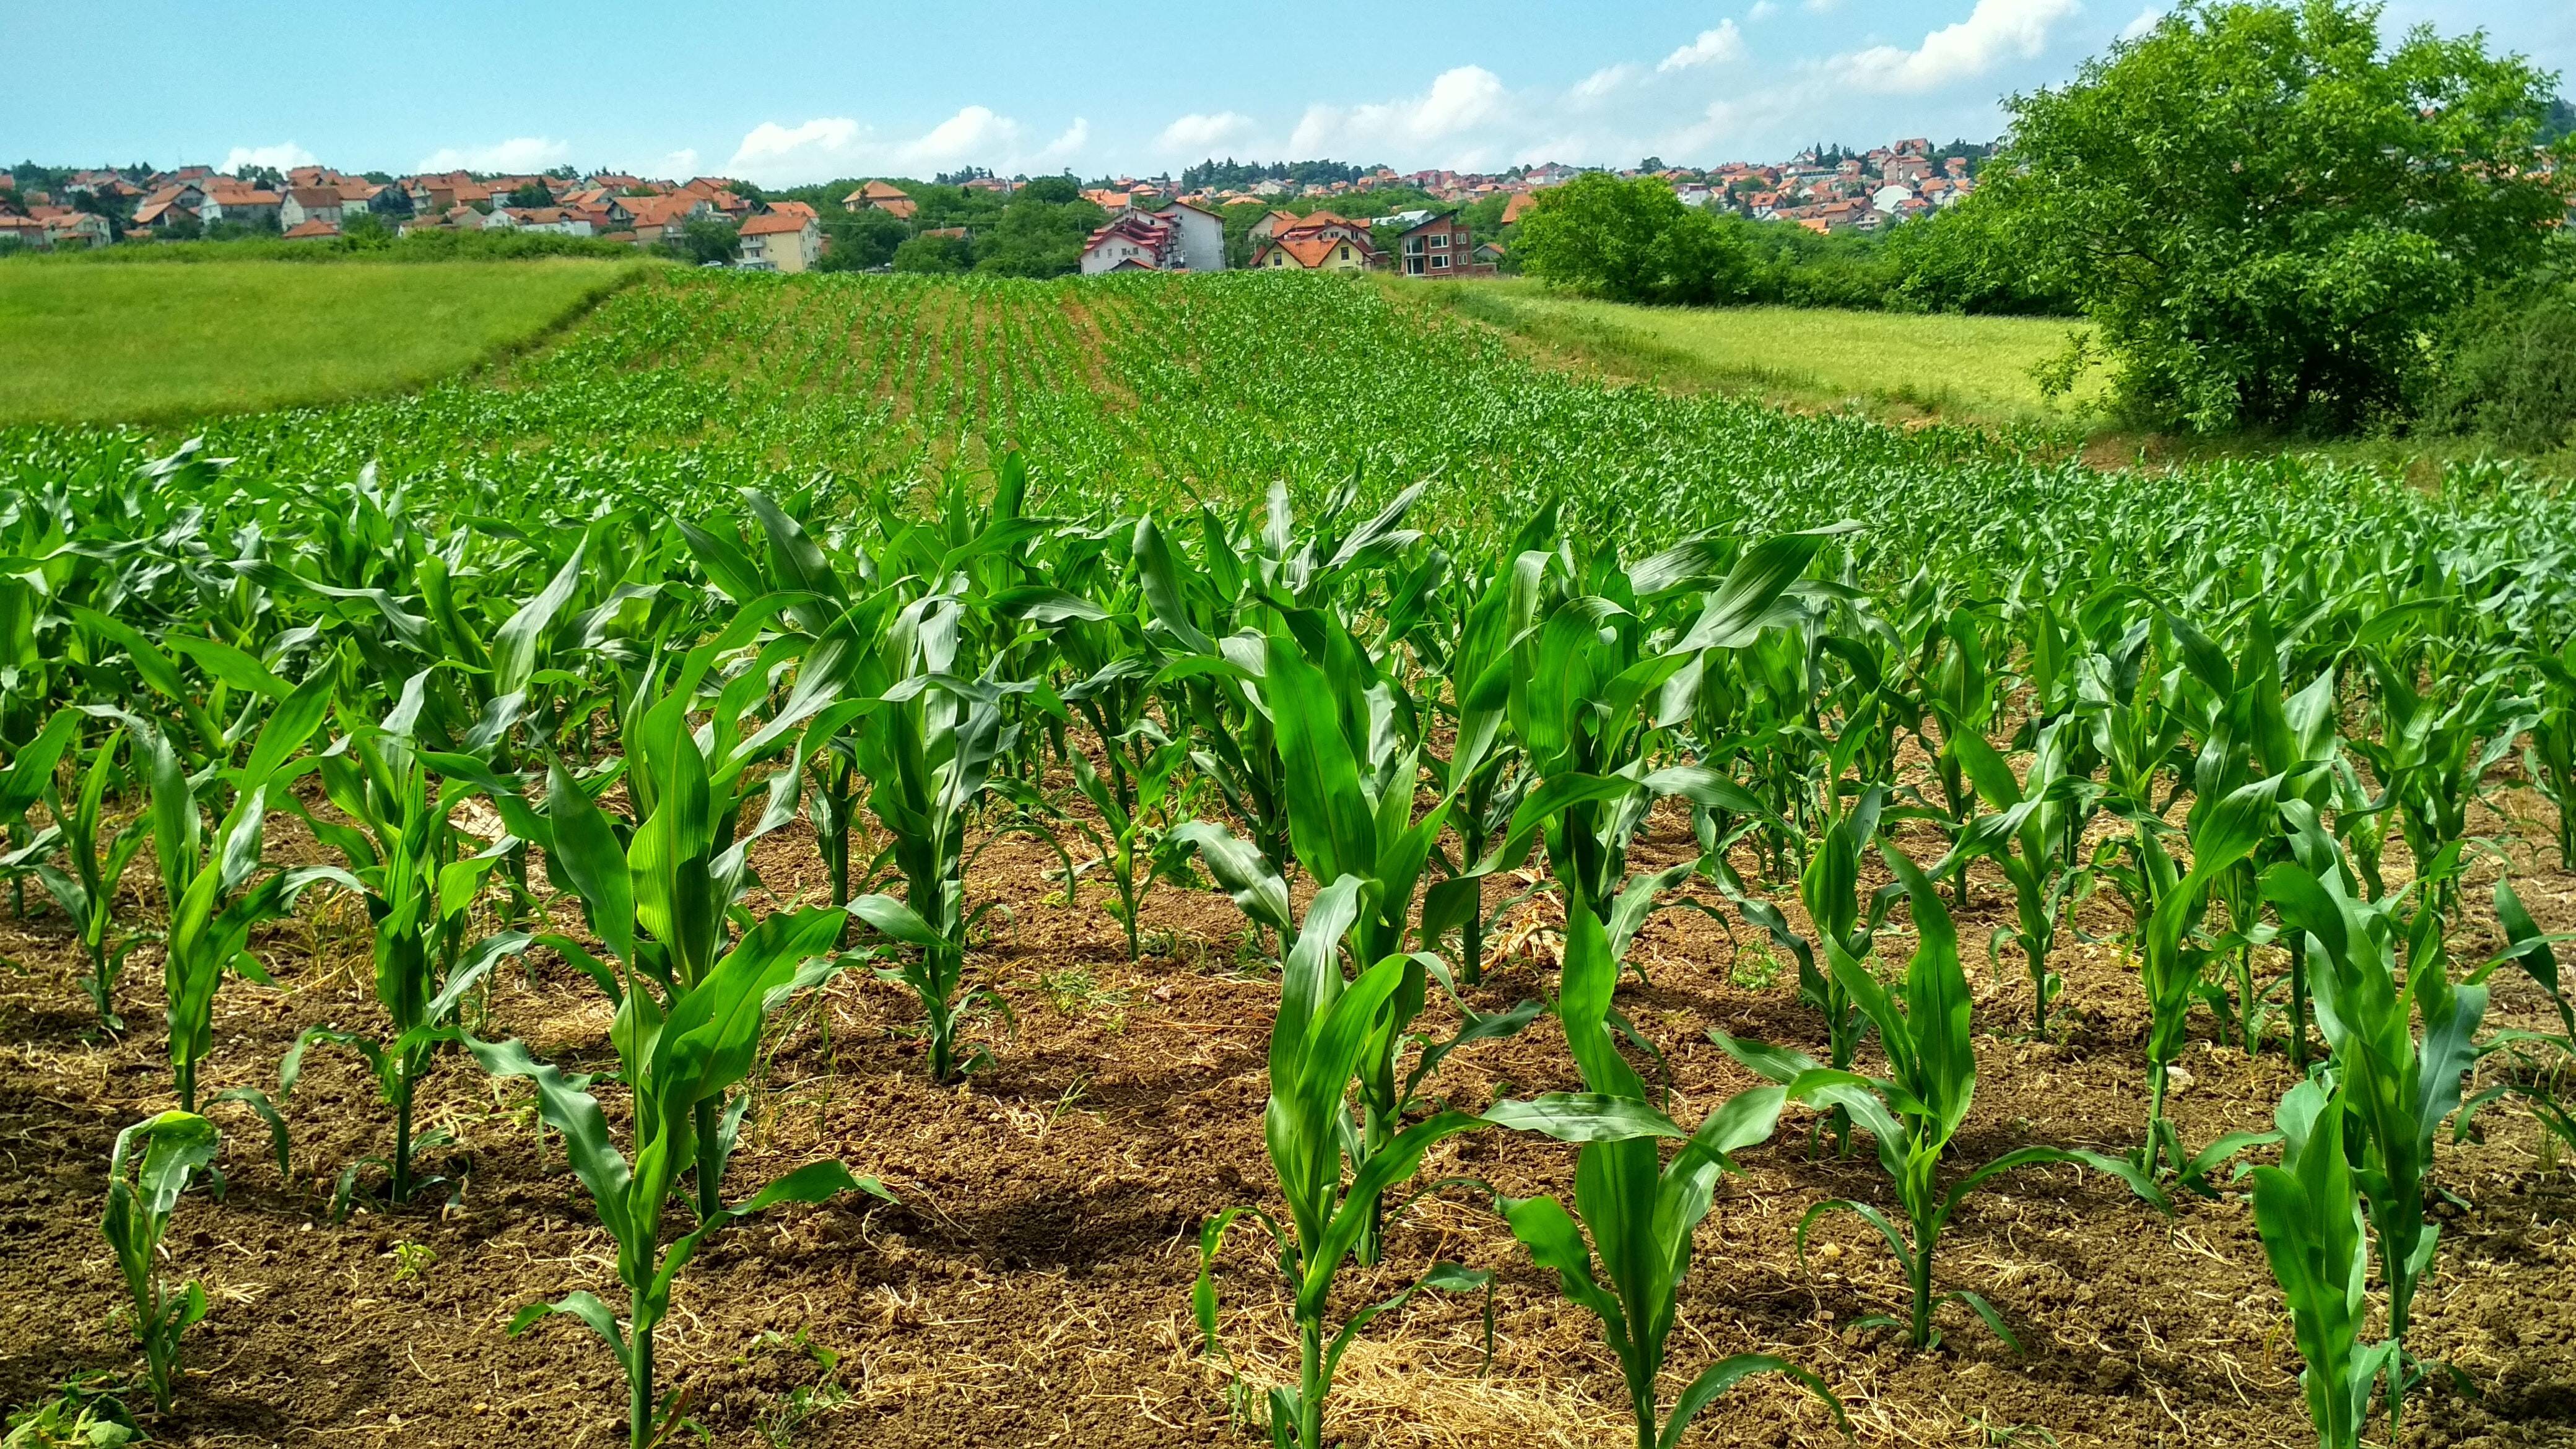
x,y
1174,238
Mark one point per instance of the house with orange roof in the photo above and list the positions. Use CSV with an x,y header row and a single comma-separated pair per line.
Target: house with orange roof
x,y
240,203
312,230
1518,207
655,217
1328,248
882,196
781,241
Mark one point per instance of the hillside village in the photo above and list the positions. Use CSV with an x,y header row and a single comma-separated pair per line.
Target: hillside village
x,y
1313,216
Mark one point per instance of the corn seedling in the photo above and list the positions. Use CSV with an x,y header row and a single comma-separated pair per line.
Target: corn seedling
x,y
1913,1112
2397,1086
87,891
1637,1211
404,862
146,1174
677,1062
1316,1047
2309,1213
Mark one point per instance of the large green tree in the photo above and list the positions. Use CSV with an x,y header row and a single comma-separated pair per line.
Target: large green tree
x,y
2267,212
1631,241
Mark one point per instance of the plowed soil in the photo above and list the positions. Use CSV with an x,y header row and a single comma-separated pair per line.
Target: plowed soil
x,y
1032,1287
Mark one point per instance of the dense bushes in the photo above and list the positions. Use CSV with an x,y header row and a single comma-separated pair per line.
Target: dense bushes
x,y
1633,241
2508,366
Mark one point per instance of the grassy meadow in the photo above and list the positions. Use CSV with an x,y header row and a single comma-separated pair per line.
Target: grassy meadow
x,y
1893,365
166,342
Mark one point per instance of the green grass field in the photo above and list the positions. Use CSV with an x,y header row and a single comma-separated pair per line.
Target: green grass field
x,y
1964,369
164,343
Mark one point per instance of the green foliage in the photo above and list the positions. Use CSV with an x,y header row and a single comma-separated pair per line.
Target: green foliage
x,y
859,241
1632,241
707,239
935,256
1036,237
146,1174
2503,362
2264,209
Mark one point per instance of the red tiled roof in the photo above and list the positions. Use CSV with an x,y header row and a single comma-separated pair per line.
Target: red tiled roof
x,y
313,228
778,223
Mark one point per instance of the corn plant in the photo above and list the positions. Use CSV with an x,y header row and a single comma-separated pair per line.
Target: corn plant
x,y
1636,1210
146,1174
2027,836
2173,963
405,863
2544,1059
928,755
1480,772
1914,1111
2398,1085
2429,761
2308,1211
209,885
1317,1044
677,1064
86,891
1590,692
1350,796
28,779
1131,832
2549,756
1846,926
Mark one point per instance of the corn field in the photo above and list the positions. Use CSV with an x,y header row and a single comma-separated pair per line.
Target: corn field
x,y
873,860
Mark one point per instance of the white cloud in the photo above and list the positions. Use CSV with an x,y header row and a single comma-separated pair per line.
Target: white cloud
x,y
1762,10
1725,43
284,156
519,153
1199,133
1995,32
1823,7
1602,84
830,146
680,163
2146,21
1467,103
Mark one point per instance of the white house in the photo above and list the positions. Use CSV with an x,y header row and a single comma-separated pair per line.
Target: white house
x,y
537,218
1202,235
1888,198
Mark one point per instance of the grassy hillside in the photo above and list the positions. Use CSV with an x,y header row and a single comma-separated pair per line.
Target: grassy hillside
x,y
1961,369
158,343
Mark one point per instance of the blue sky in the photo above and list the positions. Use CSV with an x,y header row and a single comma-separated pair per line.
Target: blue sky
x,y
792,91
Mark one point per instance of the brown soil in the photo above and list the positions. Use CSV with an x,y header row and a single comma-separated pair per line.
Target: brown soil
x,y
1033,1286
